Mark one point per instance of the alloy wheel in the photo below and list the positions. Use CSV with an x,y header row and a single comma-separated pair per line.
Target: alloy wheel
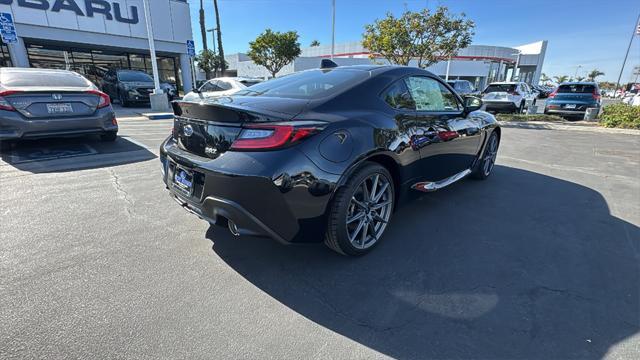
x,y
490,155
369,211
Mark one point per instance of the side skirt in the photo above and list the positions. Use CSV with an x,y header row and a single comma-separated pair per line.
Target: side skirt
x,y
436,185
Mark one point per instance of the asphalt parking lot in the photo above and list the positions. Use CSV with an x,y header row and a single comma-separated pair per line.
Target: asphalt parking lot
x,y
541,261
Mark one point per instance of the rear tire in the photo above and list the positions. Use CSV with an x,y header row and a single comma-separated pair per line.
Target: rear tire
x,y
521,108
361,211
485,164
123,101
109,136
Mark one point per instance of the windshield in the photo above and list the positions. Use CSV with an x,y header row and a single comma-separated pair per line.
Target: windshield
x,y
311,84
45,79
500,88
576,89
134,76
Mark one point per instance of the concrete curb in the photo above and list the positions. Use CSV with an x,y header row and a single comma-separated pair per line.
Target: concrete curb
x,y
545,125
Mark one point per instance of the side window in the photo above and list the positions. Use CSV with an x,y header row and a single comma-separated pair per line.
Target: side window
x,y
430,95
224,85
210,86
397,96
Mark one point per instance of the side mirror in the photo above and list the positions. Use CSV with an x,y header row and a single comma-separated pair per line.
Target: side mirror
x,y
472,103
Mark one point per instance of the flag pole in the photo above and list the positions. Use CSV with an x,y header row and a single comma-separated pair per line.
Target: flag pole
x,y
636,28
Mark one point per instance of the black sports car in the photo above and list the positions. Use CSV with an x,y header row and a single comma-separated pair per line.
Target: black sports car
x,y
325,154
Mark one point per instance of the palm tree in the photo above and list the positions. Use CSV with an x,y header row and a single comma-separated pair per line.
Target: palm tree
x,y
580,78
223,64
594,74
315,43
203,31
544,78
560,79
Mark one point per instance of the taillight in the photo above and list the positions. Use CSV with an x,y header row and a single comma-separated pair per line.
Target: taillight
x,y
4,103
104,98
553,94
257,137
514,93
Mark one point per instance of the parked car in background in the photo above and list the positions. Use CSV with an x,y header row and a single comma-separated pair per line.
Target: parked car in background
x,y
572,99
37,103
543,91
511,97
130,87
324,154
463,87
220,87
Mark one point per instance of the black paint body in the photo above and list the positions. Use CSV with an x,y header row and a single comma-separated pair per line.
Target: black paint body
x,y
288,191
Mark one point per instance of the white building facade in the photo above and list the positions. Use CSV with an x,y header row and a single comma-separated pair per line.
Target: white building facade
x,y
480,64
93,36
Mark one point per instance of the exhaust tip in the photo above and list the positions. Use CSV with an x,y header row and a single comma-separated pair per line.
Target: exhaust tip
x,y
233,228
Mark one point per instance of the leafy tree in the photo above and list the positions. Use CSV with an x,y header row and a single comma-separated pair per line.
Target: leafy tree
x,y
315,43
561,78
594,74
273,49
425,36
607,85
206,60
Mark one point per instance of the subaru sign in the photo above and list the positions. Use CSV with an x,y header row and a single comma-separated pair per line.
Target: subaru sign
x,y
8,29
191,48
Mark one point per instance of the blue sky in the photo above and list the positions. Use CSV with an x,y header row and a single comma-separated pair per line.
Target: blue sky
x,y
591,33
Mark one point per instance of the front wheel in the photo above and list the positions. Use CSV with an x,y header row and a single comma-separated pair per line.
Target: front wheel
x,y
361,211
485,164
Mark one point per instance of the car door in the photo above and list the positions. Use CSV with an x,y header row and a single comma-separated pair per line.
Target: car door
x,y
451,139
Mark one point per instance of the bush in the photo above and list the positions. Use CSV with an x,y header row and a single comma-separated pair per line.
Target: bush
x,y
621,116
532,117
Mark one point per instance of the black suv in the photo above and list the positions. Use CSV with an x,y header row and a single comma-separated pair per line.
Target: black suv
x,y
130,86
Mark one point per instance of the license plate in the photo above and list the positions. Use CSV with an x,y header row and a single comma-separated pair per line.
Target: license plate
x,y
59,108
570,106
183,180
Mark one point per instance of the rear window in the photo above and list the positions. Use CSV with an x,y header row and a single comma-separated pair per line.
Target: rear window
x,y
576,89
134,76
313,84
500,88
46,79
248,83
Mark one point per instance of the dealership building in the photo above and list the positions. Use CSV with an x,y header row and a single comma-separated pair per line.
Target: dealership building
x,y
91,37
480,64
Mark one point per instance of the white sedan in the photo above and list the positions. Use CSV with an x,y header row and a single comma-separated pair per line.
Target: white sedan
x,y
220,87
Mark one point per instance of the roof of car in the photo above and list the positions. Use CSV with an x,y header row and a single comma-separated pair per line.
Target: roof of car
x,y
578,83
36,70
505,83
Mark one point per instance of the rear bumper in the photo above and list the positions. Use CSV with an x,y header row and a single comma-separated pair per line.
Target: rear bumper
x,y
500,105
15,126
276,194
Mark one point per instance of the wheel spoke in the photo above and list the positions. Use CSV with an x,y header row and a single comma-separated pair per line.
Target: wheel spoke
x,y
365,191
381,205
363,240
374,187
379,218
381,192
355,217
353,236
360,204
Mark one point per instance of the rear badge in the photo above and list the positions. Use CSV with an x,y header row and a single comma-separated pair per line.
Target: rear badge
x,y
187,130
210,151
56,96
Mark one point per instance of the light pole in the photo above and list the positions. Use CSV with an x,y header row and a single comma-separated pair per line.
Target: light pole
x,y
515,68
633,33
333,27
213,36
576,74
159,100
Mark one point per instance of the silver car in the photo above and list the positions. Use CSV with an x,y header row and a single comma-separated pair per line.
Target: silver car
x,y
37,103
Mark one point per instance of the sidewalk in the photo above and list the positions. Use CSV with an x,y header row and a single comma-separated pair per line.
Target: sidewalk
x,y
568,125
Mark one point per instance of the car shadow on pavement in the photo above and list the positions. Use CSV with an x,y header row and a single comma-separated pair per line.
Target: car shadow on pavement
x,y
522,265
69,154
